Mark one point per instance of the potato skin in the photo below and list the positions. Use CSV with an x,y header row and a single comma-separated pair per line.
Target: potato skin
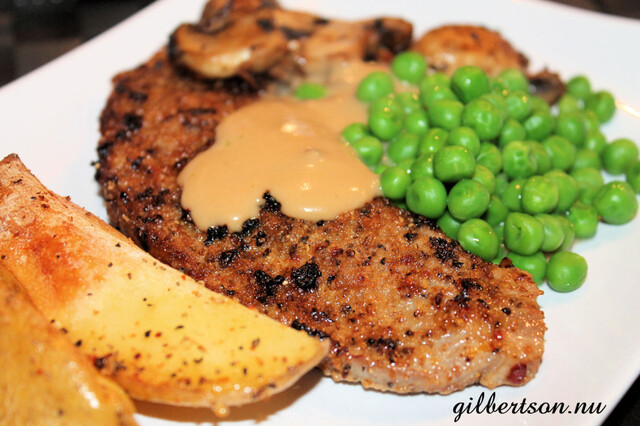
x,y
159,334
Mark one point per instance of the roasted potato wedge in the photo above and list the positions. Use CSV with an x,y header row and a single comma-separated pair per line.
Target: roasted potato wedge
x,y
158,333
44,379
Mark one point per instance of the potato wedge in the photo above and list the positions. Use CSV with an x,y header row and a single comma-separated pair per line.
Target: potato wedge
x,y
158,333
44,379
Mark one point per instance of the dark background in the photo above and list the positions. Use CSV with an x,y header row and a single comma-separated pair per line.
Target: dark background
x,y
32,32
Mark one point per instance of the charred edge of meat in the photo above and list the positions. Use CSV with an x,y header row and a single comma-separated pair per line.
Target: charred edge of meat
x,y
267,285
445,250
306,277
270,203
215,233
248,227
298,325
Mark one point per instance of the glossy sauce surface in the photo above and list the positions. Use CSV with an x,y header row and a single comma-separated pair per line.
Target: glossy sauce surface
x,y
289,148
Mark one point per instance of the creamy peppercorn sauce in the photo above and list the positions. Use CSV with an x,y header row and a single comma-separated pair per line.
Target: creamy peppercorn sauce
x,y
290,148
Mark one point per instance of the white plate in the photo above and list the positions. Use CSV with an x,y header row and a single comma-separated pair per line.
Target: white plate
x,y
50,118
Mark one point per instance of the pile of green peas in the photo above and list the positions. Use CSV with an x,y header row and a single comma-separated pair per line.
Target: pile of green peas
x,y
501,171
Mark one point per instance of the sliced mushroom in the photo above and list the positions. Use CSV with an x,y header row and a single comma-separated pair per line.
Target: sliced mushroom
x,y
548,85
215,15
243,46
235,37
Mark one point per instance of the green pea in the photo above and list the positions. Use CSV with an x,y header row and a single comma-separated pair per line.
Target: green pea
x,y
539,104
490,157
567,189
512,130
523,233
453,163
538,125
602,104
586,158
354,131
512,195
380,168
514,79
619,155
569,233
469,82
479,238
468,199
409,66
588,176
562,152
433,80
485,177
502,181
427,196
571,126
445,113
388,103
518,161
410,102
591,121
569,103
432,141
587,193
404,146
584,218
539,195
496,212
483,117
374,85
553,232
406,165
386,123
369,149
518,105
499,102
499,230
616,203
498,87
434,93
543,159
401,204
579,87
449,225
595,141
417,122
502,253
535,264
310,91
465,137
394,182
633,176
422,166
566,271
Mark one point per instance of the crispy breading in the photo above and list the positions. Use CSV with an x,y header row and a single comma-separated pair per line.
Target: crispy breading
x,y
405,308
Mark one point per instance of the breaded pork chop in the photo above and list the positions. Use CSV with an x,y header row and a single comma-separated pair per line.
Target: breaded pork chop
x,y
405,308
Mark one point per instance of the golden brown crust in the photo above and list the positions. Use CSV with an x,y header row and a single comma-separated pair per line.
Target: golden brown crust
x,y
404,307
451,46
